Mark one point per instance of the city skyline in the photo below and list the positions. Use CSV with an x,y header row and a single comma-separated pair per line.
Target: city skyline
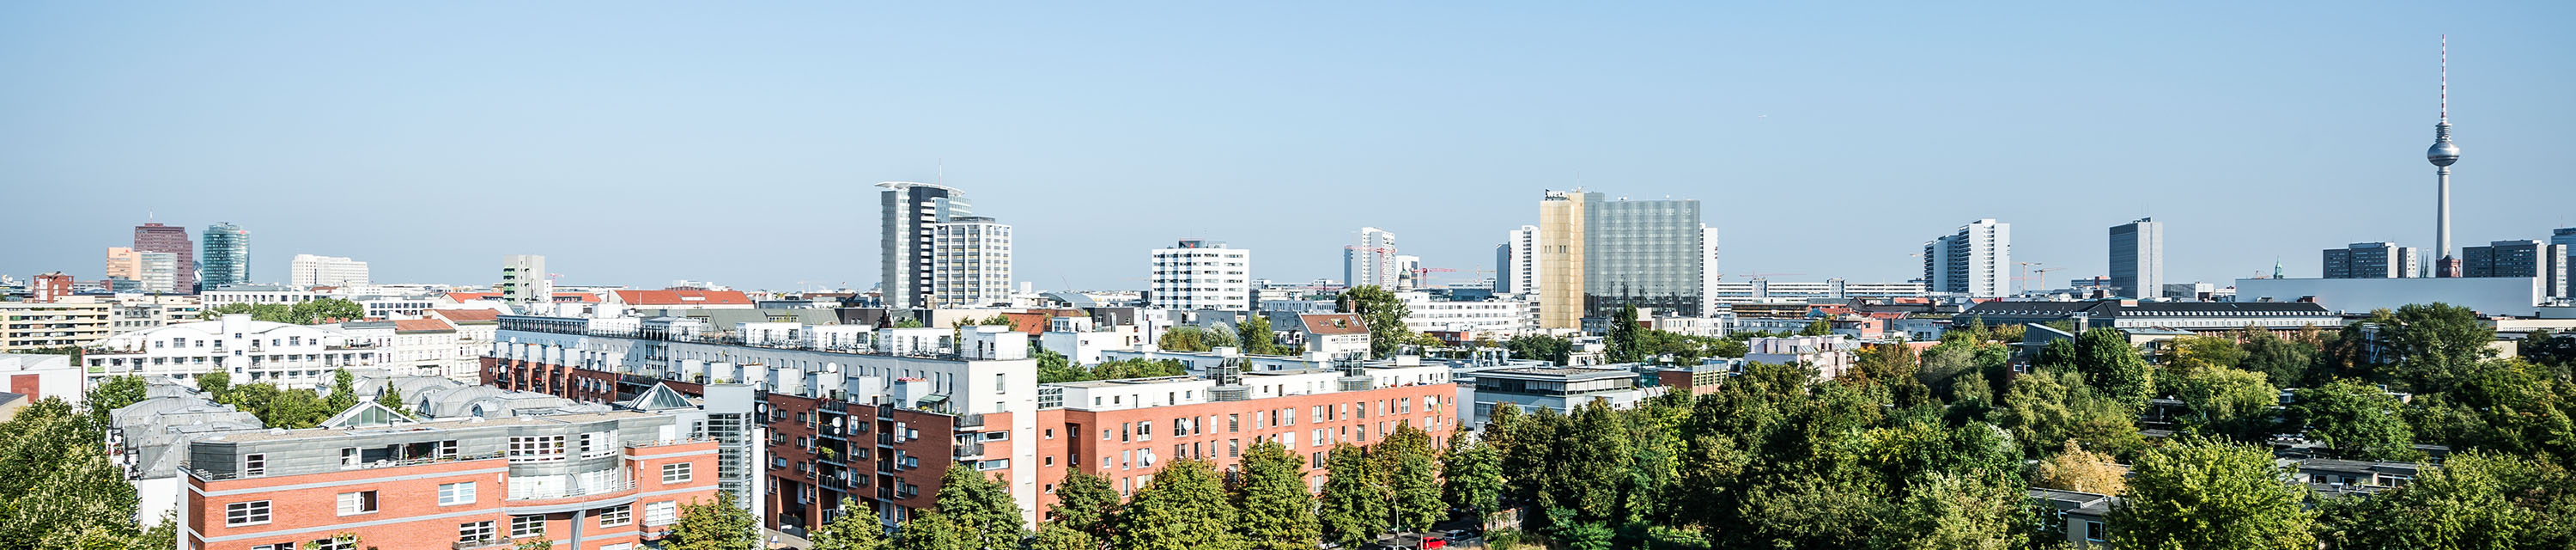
x,y
1446,149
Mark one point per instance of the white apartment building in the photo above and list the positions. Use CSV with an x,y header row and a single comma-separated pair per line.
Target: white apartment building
x,y
1829,355
129,312
72,321
970,263
1518,265
1766,291
258,294
523,279
1975,261
421,347
160,271
1501,319
1202,275
308,271
251,351
1371,261
1708,273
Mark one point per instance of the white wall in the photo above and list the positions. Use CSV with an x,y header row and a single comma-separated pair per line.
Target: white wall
x,y
2516,296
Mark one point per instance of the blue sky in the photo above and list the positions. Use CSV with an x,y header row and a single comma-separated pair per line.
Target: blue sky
x,y
638,142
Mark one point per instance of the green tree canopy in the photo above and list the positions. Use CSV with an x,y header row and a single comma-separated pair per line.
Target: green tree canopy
x,y
57,486
1278,513
2208,494
1183,508
1354,507
856,529
2222,401
1382,312
1257,337
2355,420
1471,476
1084,502
2113,368
714,525
2473,500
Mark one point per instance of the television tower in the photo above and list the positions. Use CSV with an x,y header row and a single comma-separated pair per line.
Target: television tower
x,y
2442,155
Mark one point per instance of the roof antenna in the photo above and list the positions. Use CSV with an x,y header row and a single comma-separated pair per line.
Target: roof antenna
x,y
2446,79
942,178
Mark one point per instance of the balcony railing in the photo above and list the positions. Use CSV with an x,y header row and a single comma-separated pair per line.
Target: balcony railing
x,y
624,482
970,420
276,471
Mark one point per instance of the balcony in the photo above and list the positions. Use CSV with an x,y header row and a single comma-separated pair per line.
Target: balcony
x,y
970,420
971,450
623,483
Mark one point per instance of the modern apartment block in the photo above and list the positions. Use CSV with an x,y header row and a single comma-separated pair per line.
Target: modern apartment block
x,y
308,271
971,263
524,280
2138,259
2525,258
1201,275
1516,263
49,287
1766,291
154,237
30,326
2374,261
1371,261
227,256
247,350
1975,260
1596,256
908,240
1708,273
609,480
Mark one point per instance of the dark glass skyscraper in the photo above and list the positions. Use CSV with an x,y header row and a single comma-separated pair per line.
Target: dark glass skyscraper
x,y
227,257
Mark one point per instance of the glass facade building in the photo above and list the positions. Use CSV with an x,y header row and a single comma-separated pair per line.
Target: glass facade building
x,y
227,257
1642,253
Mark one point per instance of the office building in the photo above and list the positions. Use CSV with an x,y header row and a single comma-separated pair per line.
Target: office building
x,y
227,256
1201,275
123,263
308,271
908,239
154,237
1766,291
1371,261
2138,259
1974,261
523,280
970,263
1596,256
2525,258
1708,273
161,272
2373,261
1516,263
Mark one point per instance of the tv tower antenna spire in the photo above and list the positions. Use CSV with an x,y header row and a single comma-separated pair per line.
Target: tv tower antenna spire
x,y
2442,155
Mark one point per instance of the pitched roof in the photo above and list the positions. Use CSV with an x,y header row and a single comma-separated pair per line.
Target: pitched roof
x,y
1333,323
421,325
682,297
463,316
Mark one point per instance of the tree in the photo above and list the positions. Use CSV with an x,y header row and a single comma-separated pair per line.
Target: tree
x,y
856,529
1895,366
2284,361
2111,366
1621,341
1054,368
392,398
2355,420
974,511
539,543
1058,537
2428,340
2046,409
1257,338
1416,485
1819,328
714,525
1183,338
1540,347
2076,469
215,384
2502,405
1471,477
326,310
2208,494
2474,500
2227,402
1277,512
344,391
1184,507
2195,353
57,487
1382,313
1354,505
2545,347
1086,503
111,394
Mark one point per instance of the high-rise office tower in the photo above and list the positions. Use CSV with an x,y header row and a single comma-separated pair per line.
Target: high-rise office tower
x,y
1202,275
2373,261
2442,155
123,263
2525,258
154,237
2566,236
2138,259
227,257
1371,261
1596,256
1708,273
160,272
523,280
908,240
970,263
1975,260
1516,268
308,271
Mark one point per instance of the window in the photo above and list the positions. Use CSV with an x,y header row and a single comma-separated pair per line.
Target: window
x,y
278,546
451,494
246,513
334,543
474,532
616,515
598,444
254,464
447,449
679,472
661,513
2093,531
361,502
527,526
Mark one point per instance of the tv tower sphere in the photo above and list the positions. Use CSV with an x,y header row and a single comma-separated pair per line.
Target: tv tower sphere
x,y
2443,152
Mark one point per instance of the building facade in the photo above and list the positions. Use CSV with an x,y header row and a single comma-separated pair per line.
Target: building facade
x,y
2373,261
123,263
2527,258
1974,261
227,256
1560,259
908,239
154,237
2138,259
308,271
1201,275
247,350
161,273
1371,261
970,263
1516,271
30,326
524,280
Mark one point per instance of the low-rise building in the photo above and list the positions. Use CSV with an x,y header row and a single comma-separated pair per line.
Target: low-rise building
x,y
1831,356
1333,334
39,376
1557,388
250,351
2082,517
2192,316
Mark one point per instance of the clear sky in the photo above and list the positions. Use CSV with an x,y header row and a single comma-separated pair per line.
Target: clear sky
x,y
640,142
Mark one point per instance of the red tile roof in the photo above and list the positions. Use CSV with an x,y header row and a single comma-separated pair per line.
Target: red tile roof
x,y
682,297
472,296
1328,324
421,325
467,315
584,297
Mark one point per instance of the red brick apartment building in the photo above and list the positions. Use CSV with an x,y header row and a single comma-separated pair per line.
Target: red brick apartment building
x,y
586,481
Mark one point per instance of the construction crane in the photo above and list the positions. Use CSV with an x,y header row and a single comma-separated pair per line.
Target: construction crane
x,y
2027,273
